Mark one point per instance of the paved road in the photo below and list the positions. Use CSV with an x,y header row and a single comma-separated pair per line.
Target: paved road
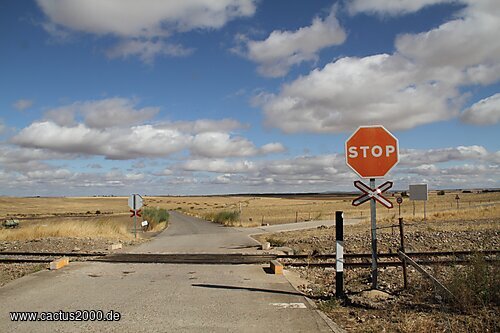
x,y
188,234
163,297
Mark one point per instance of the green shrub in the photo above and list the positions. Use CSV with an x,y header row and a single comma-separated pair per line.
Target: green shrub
x,y
155,216
224,217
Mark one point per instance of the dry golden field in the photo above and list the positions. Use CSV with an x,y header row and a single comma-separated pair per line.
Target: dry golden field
x,y
78,217
275,210
108,217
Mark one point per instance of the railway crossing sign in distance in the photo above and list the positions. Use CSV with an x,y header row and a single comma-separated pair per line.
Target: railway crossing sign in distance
x,y
372,193
372,151
135,201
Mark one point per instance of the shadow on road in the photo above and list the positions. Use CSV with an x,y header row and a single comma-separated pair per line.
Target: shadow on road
x,y
216,286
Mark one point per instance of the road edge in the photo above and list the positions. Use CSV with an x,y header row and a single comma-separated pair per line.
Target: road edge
x,y
293,279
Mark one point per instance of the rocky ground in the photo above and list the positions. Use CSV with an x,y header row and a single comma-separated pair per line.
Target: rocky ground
x,y
420,307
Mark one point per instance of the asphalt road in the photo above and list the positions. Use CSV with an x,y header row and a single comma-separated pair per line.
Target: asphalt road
x,y
164,297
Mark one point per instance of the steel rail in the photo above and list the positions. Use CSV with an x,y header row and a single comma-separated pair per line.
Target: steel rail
x,y
56,254
385,263
237,258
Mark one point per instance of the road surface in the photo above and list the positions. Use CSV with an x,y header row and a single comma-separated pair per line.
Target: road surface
x,y
165,297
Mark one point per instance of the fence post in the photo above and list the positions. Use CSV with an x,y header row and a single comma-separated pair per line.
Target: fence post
x,y
402,249
339,254
296,217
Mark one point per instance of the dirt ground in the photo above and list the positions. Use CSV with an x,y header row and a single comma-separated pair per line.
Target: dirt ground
x,y
419,308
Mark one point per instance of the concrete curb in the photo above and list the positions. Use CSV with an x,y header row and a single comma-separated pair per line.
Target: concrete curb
x,y
59,263
292,278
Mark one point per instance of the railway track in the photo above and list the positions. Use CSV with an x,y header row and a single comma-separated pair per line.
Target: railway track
x,y
352,259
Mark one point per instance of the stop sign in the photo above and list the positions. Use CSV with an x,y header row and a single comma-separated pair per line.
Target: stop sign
x,y
372,151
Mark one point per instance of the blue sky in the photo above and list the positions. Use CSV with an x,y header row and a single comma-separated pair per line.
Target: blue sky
x,y
228,96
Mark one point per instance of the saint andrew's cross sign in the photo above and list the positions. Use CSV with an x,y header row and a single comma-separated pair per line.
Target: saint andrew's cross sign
x,y
369,193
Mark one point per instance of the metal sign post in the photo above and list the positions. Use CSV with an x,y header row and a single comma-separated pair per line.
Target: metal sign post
x,y
135,202
135,219
373,214
373,194
399,200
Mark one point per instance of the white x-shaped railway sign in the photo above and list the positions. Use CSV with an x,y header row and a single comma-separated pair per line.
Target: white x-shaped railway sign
x,y
369,193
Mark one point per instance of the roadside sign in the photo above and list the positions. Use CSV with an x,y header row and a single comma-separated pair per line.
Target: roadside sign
x,y
372,193
372,151
135,213
144,223
418,192
399,200
135,201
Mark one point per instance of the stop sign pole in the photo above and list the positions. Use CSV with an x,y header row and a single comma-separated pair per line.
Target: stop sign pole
x,y
371,151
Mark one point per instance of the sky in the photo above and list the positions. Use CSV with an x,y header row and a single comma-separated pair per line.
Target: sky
x,y
243,96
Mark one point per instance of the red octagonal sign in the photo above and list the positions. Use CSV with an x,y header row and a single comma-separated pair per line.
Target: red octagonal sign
x,y
372,151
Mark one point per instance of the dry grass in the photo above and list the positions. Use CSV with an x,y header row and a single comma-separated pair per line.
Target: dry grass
x,y
94,228
257,210
273,210
39,207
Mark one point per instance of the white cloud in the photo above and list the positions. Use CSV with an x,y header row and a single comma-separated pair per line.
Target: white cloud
x,y
342,96
219,166
147,50
102,113
273,147
484,112
204,125
113,143
166,172
470,167
468,43
134,176
23,104
391,7
3,128
14,158
114,112
414,157
94,166
63,116
283,49
116,129
418,84
138,25
219,144
50,175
